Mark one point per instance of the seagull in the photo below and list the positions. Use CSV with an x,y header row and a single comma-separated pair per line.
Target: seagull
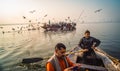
x,y
32,11
24,17
45,15
98,10
29,20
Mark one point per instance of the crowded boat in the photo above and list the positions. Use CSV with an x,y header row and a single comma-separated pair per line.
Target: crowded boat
x,y
61,26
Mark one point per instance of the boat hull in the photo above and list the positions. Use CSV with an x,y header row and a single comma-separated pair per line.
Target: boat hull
x,y
100,54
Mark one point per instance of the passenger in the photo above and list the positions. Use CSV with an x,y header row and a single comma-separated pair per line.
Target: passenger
x,y
59,62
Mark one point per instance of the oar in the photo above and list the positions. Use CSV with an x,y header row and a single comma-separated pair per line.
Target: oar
x,y
32,60
37,59
79,51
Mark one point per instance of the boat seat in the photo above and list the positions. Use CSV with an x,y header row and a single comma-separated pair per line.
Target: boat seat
x,y
98,68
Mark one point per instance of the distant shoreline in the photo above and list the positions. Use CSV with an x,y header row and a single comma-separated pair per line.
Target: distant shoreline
x,y
16,24
36,23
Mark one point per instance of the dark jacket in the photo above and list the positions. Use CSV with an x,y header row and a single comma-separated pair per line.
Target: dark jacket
x,y
87,43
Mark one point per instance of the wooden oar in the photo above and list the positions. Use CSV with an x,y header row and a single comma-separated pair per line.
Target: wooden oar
x,y
71,52
32,60
37,59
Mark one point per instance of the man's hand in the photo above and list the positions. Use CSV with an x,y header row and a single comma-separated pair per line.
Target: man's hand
x,y
68,69
71,68
93,47
85,50
78,65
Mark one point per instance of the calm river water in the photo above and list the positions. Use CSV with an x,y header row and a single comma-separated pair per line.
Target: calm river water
x,y
15,46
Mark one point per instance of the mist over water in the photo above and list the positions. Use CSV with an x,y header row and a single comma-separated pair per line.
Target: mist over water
x,y
15,46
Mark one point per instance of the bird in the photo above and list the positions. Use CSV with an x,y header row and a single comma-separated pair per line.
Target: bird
x,y
32,11
24,17
1,27
13,29
45,15
98,10
29,20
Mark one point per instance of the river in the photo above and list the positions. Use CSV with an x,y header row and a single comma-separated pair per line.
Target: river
x,y
15,46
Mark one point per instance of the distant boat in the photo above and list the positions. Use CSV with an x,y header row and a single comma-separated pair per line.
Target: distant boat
x,y
61,26
104,62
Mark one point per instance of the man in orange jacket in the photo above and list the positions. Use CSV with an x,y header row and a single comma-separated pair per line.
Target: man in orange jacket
x,y
59,62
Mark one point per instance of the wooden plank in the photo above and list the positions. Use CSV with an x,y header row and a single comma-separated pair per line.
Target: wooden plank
x,y
93,67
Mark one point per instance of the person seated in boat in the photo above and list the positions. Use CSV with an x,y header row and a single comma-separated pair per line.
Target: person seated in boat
x,y
88,44
59,61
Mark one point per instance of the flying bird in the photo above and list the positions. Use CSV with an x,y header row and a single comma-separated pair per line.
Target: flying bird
x,y
1,27
45,15
32,11
24,17
29,20
98,10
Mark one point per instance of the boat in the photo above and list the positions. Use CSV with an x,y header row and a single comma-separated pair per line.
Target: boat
x,y
61,26
102,61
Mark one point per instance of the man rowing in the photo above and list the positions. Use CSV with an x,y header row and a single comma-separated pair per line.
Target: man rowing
x,y
88,44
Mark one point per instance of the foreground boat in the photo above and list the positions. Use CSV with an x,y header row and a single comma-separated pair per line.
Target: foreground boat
x,y
104,62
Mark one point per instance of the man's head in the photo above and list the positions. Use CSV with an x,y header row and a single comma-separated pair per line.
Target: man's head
x,y
87,34
60,50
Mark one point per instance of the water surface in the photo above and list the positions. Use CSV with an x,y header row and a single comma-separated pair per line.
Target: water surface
x,y
15,46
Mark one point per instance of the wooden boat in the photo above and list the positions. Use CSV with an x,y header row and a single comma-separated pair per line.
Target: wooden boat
x,y
61,26
102,61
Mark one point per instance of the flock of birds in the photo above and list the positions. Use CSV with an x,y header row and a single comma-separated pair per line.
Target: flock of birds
x,y
31,26
22,28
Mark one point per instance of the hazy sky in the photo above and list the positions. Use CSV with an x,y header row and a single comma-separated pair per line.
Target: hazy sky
x,y
11,11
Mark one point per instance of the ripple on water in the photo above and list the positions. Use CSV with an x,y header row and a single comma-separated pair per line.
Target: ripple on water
x,y
2,50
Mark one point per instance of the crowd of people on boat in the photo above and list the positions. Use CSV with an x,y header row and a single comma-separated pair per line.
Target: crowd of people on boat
x,y
62,26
